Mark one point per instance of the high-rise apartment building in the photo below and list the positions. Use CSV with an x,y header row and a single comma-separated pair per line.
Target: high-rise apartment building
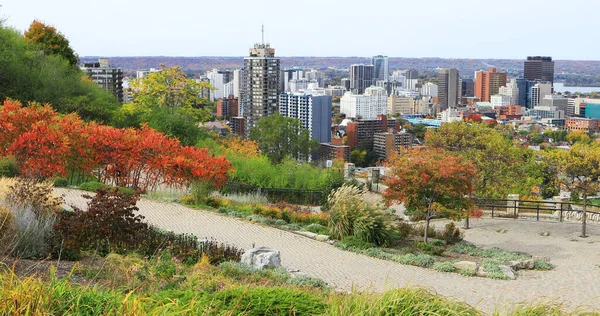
x,y
109,79
488,82
314,112
381,68
448,89
366,106
467,87
361,77
238,76
315,76
539,68
261,85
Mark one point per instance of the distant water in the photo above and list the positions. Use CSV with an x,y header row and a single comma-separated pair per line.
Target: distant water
x,y
560,87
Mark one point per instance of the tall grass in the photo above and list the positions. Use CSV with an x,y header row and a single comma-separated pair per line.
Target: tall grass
x,y
33,233
246,198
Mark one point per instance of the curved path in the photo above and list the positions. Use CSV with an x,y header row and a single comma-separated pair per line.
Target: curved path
x,y
575,281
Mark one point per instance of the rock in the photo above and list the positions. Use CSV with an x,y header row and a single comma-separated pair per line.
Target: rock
x,y
466,265
322,237
292,270
481,272
527,264
501,231
262,258
306,234
508,272
545,234
514,264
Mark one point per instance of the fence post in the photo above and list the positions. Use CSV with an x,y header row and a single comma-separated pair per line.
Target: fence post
x,y
561,211
538,211
492,208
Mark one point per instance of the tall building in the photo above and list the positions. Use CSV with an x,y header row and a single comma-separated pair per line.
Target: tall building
x,y
315,76
381,68
448,90
430,89
561,103
386,144
499,100
261,85
523,91
361,77
361,132
539,68
228,107
365,106
217,82
467,87
109,79
512,90
314,112
238,76
400,105
488,82
538,91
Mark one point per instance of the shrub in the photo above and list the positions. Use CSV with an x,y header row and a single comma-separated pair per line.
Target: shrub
x,y
7,229
201,191
350,215
127,191
421,260
109,224
307,281
60,182
39,195
8,167
219,252
444,266
353,241
316,228
419,230
451,234
92,186
34,231
404,230
542,265
466,272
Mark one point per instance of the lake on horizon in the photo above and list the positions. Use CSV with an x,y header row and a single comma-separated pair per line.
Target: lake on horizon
x,y
560,87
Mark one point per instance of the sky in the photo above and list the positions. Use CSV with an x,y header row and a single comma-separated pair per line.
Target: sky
x,y
503,29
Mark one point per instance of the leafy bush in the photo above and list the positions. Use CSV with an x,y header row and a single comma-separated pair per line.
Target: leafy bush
x,y
316,228
419,230
306,281
421,260
201,191
8,167
7,229
39,195
404,229
444,266
451,234
466,272
353,241
542,265
60,182
127,191
429,248
219,252
92,186
351,215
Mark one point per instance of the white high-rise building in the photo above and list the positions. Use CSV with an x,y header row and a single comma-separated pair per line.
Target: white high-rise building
x,y
216,81
238,76
511,90
539,91
381,67
500,100
365,106
315,76
430,89
296,85
314,112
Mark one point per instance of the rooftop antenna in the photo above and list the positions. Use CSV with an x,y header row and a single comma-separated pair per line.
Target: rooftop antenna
x,y
263,34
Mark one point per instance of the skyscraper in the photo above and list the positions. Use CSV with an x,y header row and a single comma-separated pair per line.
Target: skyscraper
x,y
261,85
314,112
539,68
448,90
467,87
361,77
488,82
109,79
381,69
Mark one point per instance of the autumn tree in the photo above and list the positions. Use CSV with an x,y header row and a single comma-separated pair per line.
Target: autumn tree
x,y
578,170
51,41
431,182
279,137
502,167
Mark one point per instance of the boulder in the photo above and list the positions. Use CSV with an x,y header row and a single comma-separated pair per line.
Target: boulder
x,y
481,272
514,264
466,265
527,264
262,258
322,237
508,272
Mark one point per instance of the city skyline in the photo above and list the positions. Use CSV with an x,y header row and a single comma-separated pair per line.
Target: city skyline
x,y
438,29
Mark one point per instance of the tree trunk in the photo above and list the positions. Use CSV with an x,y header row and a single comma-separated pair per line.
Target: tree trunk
x,y
427,218
584,216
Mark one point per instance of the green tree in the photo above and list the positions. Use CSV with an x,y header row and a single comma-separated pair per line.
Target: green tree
x,y
51,41
279,137
417,130
502,167
429,182
579,171
358,157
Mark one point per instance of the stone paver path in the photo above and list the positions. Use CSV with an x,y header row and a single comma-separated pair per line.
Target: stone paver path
x,y
575,281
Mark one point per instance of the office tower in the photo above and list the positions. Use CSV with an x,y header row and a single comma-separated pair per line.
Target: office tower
x,y
381,70
539,68
512,90
523,91
217,82
412,78
238,76
290,74
345,82
314,112
448,88
538,92
401,105
467,87
366,106
430,89
316,76
561,103
261,85
487,83
361,77
109,79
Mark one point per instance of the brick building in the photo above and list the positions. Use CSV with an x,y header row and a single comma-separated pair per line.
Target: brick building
x,y
582,124
361,132
238,125
386,144
228,107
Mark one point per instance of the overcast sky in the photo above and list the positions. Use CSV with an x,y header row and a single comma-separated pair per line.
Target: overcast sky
x,y
398,28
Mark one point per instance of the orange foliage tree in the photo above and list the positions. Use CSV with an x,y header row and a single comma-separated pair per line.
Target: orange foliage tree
x,y
431,182
46,145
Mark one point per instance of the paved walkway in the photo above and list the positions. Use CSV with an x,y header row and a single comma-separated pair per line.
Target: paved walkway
x,y
575,280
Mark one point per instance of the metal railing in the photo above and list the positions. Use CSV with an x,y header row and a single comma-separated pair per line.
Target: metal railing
x,y
274,195
525,208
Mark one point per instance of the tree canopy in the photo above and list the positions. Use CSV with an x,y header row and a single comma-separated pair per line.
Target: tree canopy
x,y
51,41
431,181
279,137
502,167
